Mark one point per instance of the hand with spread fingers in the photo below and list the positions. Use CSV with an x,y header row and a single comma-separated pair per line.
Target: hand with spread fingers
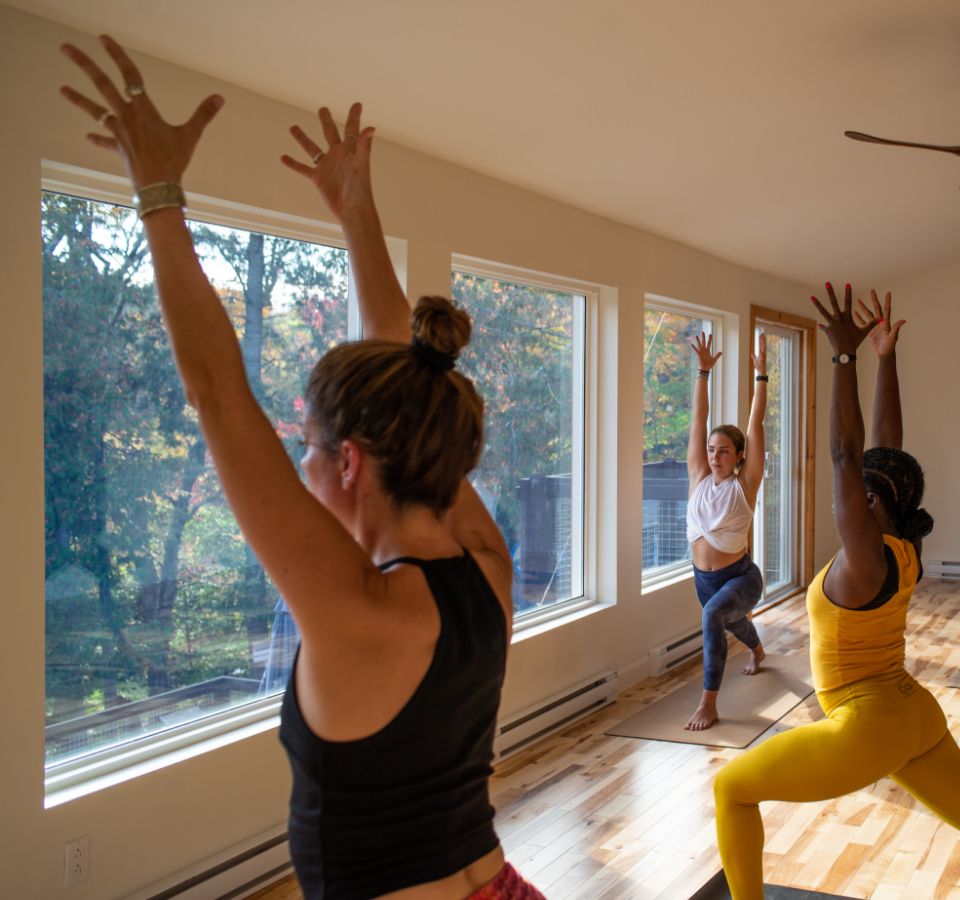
x,y
703,347
885,332
844,333
153,150
342,171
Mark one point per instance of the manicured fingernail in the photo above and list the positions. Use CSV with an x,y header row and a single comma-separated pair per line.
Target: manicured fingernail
x,y
813,299
881,319
829,286
848,286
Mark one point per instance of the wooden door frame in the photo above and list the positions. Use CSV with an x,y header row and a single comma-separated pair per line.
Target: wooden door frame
x,y
808,424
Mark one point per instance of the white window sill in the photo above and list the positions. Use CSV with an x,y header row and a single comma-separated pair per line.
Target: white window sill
x,y
666,581
527,630
126,762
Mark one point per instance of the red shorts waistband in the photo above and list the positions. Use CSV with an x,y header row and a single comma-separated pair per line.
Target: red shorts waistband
x,y
508,885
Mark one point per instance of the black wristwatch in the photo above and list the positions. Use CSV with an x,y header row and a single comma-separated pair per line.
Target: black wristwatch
x,y
844,358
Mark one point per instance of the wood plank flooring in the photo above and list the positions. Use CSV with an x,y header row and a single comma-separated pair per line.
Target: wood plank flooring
x,y
590,817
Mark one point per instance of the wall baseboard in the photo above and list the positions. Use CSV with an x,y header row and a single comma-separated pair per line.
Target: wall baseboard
x,y
235,873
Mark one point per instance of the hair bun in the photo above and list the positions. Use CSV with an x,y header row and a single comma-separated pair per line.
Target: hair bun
x,y
439,324
918,525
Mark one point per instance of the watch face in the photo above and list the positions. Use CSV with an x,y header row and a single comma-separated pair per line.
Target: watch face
x,y
844,358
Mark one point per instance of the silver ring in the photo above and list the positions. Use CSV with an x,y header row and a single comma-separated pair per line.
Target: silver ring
x,y
317,157
134,90
106,114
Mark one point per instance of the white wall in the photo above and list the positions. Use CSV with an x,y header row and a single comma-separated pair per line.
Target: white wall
x,y
150,827
927,360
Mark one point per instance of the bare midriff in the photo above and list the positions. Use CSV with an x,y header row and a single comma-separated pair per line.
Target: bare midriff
x,y
708,558
461,884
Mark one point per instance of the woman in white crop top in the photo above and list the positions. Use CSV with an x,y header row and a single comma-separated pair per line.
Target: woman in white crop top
x,y
724,482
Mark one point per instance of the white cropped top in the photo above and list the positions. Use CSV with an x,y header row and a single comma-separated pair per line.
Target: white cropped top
x,y
720,514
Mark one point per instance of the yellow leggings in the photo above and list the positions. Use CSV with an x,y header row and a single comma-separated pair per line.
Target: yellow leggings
x,y
874,728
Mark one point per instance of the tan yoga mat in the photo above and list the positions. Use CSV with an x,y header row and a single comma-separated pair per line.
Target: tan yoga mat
x,y
748,704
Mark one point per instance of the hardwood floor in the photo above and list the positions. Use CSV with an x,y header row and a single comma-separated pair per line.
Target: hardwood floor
x,y
591,817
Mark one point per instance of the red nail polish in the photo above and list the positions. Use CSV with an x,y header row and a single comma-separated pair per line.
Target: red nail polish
x,y
813,299
848,285
829,286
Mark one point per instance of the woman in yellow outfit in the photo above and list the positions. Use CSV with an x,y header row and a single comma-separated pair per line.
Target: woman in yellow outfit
x,y
879,720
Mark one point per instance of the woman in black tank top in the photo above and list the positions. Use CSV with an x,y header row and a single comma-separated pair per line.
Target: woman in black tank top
x,y
396,575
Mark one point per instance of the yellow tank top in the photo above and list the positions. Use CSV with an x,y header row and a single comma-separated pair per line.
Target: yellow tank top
x,y
848,645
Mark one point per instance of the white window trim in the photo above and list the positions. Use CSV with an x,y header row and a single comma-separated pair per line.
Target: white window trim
x,y
598,589
725,330
99,769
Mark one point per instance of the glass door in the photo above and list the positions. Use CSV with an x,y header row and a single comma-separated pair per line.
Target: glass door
x,y
777,518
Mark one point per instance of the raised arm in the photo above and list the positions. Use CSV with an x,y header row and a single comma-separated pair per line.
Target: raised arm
x,y
298,541
751,475
698,466
887,417
342,175
859,570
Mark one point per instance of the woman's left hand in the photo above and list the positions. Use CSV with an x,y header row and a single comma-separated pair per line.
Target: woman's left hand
x,y
152,150
844,334
760,357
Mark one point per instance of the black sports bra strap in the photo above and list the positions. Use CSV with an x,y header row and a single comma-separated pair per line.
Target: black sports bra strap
x,y
413,560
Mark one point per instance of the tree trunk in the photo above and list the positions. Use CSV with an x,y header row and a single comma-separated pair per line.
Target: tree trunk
x,y
253,303
159,599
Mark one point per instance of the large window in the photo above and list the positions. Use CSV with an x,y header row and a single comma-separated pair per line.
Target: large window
x,y
157,612
526,357
669,371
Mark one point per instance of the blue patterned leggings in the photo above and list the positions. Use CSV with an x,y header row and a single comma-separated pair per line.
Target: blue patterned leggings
x,y
726,595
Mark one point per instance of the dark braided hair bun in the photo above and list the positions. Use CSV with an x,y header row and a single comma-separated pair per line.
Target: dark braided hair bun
x,y
897,479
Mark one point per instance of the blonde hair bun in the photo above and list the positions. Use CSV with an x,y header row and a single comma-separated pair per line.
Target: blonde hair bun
x,y
436,322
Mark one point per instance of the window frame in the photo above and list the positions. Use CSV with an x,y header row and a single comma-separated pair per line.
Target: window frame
x,y
93,771
586,329
723,326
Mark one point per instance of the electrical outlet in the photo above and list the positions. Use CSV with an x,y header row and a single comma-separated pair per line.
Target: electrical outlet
x,y
76,860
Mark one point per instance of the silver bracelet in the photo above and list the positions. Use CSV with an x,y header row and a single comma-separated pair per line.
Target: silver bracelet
x,y
162,195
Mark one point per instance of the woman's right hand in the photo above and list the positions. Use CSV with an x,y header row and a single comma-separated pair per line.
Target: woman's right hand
x,y
885,332
341,172
151,148
703,347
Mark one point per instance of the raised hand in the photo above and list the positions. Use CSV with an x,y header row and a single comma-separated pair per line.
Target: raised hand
x,y
342,171
760,357
844,334
703,347
152,149
884,334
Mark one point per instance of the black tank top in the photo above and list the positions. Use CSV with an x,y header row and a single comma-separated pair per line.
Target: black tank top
x,y
408,804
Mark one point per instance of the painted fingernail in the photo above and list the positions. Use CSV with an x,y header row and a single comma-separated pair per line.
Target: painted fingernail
x,y
848,286
881,319
829,286
813,299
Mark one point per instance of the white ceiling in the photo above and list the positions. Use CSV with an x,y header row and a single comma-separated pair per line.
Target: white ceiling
x,y
719,124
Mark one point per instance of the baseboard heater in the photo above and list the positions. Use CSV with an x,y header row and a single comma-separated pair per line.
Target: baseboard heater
x,y
674,652
231,875
942,568
554,713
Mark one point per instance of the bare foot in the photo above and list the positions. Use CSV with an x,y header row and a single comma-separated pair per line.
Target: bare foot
x,y
757,656
706,713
